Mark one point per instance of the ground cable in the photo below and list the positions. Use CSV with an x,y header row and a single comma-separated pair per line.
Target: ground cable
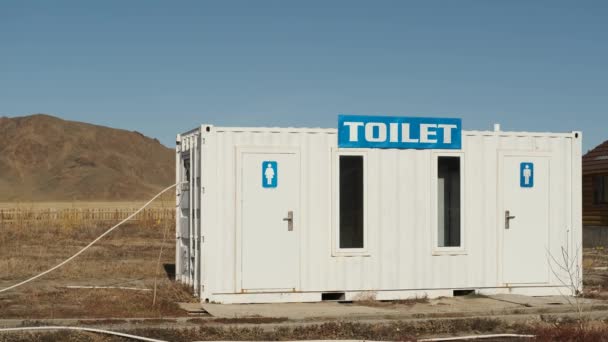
x,y
100,331
89,245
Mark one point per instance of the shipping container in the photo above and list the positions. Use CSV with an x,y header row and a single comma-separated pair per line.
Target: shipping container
x,y
291,215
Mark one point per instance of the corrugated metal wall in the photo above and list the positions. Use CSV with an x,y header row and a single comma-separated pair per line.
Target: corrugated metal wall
x,y
399,222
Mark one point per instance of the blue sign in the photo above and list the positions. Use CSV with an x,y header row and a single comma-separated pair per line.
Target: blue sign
x,y
526,175
358,131
270,174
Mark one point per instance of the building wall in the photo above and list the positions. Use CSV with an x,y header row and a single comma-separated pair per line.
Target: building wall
x,y
594,215
399,211
595,162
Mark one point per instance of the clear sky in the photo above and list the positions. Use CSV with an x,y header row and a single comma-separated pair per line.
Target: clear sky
x,y
163,67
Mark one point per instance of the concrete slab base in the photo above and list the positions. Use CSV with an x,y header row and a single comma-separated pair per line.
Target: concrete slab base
x,y
311,297
441,307
293,311
192,308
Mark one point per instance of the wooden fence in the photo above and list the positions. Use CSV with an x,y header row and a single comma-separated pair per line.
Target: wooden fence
x,y
83,214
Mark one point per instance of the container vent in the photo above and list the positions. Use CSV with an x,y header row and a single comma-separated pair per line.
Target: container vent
x,y
332,296
458,293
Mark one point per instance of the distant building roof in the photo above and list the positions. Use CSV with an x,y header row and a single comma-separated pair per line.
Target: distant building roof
x,y
596,160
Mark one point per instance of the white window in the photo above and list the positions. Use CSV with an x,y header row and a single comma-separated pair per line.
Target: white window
x,y
447,194
350,233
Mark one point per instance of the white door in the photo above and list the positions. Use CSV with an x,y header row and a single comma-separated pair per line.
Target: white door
x,y
525,219
270,185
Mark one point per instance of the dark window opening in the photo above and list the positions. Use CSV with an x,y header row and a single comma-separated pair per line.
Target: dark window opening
x,y
448,201
187,169
600,189
351,202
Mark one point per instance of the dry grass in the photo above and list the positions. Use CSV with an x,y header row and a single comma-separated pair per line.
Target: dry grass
x,y
126,257
394,331
66,336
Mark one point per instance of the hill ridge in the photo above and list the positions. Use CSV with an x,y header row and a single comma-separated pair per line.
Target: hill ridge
x,y
46,158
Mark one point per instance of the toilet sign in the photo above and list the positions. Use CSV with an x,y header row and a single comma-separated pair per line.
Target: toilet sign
x,y
357,131
526,175
270,174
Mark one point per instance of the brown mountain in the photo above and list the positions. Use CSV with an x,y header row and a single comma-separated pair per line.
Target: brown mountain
x,y
44,158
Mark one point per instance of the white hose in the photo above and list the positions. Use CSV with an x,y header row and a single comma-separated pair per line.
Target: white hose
x,y
472,337
89,245
101,331
107,287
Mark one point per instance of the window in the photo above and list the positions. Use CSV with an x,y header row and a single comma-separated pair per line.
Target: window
x,y
351,202
600,189
187,168
448,201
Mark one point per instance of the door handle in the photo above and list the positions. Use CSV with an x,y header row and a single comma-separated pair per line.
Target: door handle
x,y
289,220
508,218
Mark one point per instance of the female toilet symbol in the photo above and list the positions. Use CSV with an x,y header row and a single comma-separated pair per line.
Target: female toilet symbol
x,y
269,173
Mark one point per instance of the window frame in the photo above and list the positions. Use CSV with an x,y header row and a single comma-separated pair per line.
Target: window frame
x,y
335,234
436,249
595,181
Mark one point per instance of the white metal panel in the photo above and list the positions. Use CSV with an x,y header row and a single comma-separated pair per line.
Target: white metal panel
x,y
195,217
178,225
191,251
400,222
575,248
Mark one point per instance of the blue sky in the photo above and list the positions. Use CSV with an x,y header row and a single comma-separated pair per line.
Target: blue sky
x,y
163,67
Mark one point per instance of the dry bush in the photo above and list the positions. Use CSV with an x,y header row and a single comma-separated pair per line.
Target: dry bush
x,y
369,299
365,298
570,332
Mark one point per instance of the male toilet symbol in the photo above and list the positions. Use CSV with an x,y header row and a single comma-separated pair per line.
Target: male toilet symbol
x,y
269,174
526,175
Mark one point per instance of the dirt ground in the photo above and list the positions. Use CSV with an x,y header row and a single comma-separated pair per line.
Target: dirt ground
x,y
595,272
